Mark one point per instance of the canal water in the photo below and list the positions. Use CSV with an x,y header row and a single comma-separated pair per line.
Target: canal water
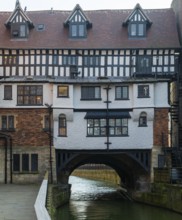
x,y
97,200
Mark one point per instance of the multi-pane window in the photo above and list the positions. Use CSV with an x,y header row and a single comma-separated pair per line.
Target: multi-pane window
x,y
96,127
77,30
122,92
7,122
143,91
30,95
143,120
25,162
7,92
90,93
10,60
144,64
63,91
91,60
19,30
137,29
116,127
62,125
69,60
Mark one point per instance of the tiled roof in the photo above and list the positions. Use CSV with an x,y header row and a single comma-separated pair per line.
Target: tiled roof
x,y
107,30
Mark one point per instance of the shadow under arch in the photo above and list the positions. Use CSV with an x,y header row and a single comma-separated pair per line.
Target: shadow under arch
x,y
125,165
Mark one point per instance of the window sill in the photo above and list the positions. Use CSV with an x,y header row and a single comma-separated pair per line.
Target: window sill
x,y
8,130
141,97
25,173
142,126
62,136
7,99
91,99
122,99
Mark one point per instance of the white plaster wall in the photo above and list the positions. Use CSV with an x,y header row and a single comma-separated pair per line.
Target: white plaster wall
x,y
161,94
60,101
139,137
47,96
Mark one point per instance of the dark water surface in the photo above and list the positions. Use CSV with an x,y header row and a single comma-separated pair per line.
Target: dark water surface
x,y
97,200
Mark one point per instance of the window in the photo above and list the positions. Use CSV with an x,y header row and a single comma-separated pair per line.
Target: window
x,y
137,29
19,30
77,30
7,122
40,27
25,163
144,64
62,125
9,60
143,120
90,93
98,127
8,92
69,60
122,92
143,91
55,59
30,95
46,122
63,91
91,60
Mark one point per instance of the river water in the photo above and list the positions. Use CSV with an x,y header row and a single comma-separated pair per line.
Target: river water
x,y
97,200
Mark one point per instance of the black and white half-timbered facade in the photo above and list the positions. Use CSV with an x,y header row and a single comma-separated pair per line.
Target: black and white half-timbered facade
x,y
74,82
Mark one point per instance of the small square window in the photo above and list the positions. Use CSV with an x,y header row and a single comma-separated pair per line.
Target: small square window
x,y
122,92
63,91
143,91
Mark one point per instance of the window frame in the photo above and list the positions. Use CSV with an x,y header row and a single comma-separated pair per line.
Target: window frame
x,y
95,128
121,93
66,95
8,92
142,119
25,163
25,94
62,126
142,92
77,30
90,93
137,25
7,123
144,64
17,32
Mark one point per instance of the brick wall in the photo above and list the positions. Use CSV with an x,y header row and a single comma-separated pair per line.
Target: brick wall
x,y
161,127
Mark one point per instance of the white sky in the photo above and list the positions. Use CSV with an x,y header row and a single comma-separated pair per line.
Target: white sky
x,y
33,5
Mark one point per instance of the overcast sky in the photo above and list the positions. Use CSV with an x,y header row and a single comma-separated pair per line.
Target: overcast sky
x,y
9,5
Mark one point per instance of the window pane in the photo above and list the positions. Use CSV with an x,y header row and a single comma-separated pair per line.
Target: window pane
x,y
4,122
22,30
11,122
8,92
34,162
25,162
141,29
133,29
81,30
97,92
62,91
16,162
73,30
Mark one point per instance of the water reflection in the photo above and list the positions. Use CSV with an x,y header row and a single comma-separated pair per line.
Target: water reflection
x,y
93,200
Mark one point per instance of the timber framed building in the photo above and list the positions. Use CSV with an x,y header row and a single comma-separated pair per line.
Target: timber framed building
x,y
83,81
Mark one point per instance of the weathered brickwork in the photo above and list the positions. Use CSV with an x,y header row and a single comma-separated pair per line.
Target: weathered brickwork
x,y
161,127
27,138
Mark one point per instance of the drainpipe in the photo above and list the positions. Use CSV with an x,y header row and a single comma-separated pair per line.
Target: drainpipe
x,y
11,162
50,141
5,161
107,115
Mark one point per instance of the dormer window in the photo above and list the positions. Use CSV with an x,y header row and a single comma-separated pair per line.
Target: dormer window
x,y
137,29
19,23
137,23
78,23
19,30
77,30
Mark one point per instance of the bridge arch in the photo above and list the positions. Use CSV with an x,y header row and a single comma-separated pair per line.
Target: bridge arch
x,y
131,166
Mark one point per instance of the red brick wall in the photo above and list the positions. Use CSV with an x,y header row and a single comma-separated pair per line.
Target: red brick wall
x,y
28,127
161,127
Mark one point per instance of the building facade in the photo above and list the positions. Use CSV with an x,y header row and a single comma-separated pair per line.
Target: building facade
x,y
83,81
